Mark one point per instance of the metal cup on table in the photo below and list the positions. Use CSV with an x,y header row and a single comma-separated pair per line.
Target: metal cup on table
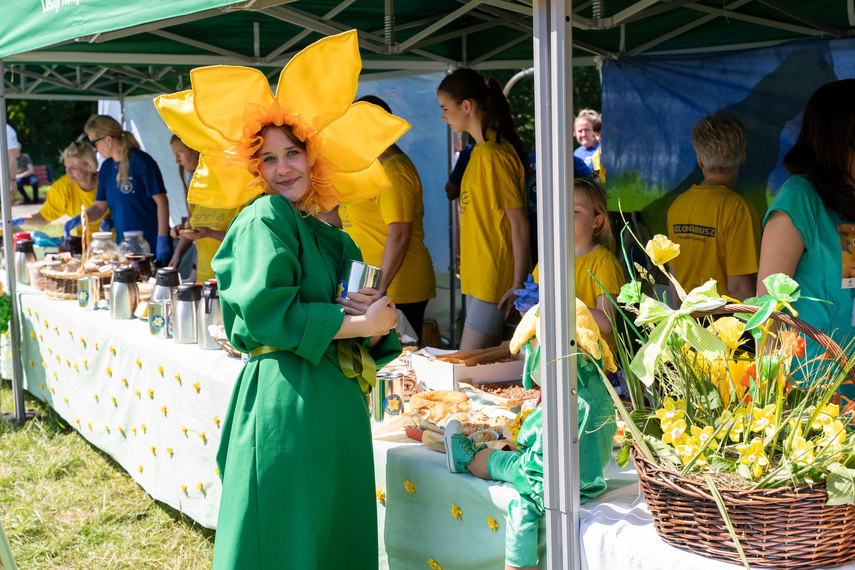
x,y
386,400
88,292
356,275
159,318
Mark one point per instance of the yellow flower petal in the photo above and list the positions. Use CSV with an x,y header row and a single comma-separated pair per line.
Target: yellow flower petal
x,y
381,496
491,522
434,564
351,145
409,487
455,511
222,92
661,250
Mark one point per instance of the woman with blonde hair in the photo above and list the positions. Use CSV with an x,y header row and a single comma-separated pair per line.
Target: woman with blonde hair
x,y
130,184
75,189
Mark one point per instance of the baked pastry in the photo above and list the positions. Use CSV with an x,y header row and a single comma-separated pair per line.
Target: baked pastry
x,y
438,403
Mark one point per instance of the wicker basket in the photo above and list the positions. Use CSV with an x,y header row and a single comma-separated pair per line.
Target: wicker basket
x,y
787,527
62,285
227,346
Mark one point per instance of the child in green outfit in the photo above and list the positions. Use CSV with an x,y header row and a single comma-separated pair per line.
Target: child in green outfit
x,y
524,467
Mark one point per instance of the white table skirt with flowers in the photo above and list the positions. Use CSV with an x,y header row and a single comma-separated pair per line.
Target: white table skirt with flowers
x,y
154,405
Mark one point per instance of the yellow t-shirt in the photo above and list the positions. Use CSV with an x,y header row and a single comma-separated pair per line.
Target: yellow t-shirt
x,y
66,198
606,267
212,218
366,221
718,232
494,181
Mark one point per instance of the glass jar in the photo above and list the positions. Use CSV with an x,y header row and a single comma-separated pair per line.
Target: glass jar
x,y
134,242
103,247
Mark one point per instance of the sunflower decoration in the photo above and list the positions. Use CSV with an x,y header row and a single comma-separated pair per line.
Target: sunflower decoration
x,y
224,112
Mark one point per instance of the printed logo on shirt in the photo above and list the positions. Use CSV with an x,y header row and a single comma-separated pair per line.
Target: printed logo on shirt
x,y
127,187
691,229
464,200
345,217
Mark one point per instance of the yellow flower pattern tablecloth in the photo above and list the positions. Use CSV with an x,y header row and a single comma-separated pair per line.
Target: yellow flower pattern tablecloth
x,y
152,404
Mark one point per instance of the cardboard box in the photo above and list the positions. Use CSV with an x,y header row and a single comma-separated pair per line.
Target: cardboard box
x,y
439,375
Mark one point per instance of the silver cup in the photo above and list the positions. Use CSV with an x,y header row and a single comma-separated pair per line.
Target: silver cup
x,y
159,318
88,292
356,275
387,398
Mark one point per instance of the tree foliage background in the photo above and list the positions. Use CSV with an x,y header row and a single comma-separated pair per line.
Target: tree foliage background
x,y
45,128
587,93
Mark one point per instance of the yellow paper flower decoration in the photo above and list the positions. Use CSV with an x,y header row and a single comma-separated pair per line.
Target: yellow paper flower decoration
x,y
121,431
151,393
76,368
50,350
183,488
107,429
491,522
202,436
41,338
139,364
82,340
113,351
139,468
228,106
125,382
65,400
169,451
134,430
113,400
200,486
44,364
197,386
137,393
95,396
163,410
764,419
178,378
661,249
142,427
184,430
45,322
160,370
32,334
68,363
217,471
217,420
455,511
381,496
409,487
434,564
754,456
153,451
89,425
77,421
96,346
85,363
109,371
51,390
55,376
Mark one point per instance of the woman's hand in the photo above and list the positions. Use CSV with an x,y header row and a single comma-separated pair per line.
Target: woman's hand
x,y
357,303
508,299
380,318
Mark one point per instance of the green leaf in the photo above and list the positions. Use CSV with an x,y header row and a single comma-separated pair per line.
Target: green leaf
x,y
782,287
708,397
663,450
795,397
760,316
722,509
630,293
722,465
754,301
622,456
840,485
744,471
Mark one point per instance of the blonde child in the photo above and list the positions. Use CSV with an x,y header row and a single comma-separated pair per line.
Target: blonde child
x,y
593,237
586,129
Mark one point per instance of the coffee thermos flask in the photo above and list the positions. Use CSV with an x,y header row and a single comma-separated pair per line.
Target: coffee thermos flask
x,y
124,294
23,254
184,309
209,313
166,279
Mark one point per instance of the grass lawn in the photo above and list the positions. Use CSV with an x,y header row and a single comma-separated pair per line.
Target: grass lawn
x,y
65,505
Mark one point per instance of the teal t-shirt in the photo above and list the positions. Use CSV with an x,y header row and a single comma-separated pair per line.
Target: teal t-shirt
x,y
820,269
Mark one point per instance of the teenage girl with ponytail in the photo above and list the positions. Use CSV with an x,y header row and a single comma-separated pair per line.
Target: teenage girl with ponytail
x,y
494,232
130,183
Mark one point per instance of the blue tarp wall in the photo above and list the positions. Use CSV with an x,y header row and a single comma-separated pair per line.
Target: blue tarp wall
x,y
651,104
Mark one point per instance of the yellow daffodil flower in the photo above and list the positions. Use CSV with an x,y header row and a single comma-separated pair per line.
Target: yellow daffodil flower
x,y
200,486
704,435
434,564
381,496
670,413
754,456
197,386
735,423
801,450
455,511
764,419
729,330
183,488
139,468
689,449
824,418
169,451
411,488
491,522
675,433
113,351
661,250
832,436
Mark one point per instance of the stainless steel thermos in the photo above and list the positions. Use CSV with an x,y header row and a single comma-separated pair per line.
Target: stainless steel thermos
x,y
209,313
165,281
184,309
23,254
124,294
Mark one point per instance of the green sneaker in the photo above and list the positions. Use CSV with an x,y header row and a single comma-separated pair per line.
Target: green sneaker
x,y
459,449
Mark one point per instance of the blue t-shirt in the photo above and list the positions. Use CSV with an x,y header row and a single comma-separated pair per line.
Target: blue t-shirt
x,y
132,205
587,155
460,166
819,272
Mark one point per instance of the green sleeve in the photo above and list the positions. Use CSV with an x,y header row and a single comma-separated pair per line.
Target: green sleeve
x,y
260,274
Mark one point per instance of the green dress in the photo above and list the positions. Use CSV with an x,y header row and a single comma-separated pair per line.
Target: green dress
x,y
295,455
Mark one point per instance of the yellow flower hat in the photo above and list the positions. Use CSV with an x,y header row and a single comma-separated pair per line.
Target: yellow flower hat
x,y
227,107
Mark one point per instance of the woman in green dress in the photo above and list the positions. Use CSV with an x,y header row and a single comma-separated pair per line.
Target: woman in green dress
x,y
295,455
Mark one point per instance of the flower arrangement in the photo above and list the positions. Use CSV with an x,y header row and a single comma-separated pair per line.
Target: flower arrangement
x,y
731,402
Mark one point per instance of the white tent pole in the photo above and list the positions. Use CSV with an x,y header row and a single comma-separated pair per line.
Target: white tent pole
x,y
6,199
553,120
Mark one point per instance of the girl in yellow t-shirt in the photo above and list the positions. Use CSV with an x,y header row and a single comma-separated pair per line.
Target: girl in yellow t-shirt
x,y
70,192
494,233
593,237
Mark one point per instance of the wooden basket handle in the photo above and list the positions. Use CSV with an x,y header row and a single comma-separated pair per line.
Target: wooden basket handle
x,y
825,341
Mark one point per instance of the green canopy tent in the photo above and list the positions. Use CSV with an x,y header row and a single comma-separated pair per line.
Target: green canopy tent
x,y
98,49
